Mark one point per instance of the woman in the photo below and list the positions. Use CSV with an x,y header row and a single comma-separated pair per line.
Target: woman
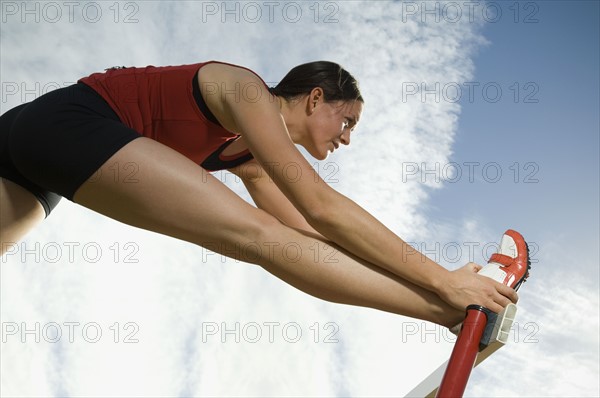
x,y
161,123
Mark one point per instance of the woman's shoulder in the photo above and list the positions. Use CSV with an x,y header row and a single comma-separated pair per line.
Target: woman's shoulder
x,y
219,71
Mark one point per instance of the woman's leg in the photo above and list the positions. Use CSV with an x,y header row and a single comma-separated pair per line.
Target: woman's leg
x,y
20,211
165,192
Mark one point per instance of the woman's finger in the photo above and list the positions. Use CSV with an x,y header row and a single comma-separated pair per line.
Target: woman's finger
x,y
474,267
508,292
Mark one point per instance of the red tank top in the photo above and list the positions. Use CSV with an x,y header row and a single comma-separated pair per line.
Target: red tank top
x,y
162,103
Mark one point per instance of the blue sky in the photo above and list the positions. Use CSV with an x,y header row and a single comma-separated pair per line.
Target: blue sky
x,y
552,142
170,296
557,135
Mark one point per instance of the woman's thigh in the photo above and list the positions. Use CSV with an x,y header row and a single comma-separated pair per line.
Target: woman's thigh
x,y
151,186
20,211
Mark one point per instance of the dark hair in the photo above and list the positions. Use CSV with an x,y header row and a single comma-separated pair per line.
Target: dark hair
x,y
336,82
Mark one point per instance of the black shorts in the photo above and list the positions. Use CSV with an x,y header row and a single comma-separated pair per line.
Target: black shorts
x,y
53,144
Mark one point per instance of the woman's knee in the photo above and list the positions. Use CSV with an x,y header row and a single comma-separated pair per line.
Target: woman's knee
x,y
266,227
256,227
254,239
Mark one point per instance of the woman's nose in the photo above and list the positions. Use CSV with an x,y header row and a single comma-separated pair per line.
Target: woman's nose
x,y
345,138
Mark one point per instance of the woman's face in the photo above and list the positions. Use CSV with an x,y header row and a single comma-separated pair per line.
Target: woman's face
x,y
329,125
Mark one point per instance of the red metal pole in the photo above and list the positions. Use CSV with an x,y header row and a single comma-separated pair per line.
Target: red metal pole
x,y
464,353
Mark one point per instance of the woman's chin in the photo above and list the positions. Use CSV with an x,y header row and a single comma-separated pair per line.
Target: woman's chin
x,y
322,156
318,154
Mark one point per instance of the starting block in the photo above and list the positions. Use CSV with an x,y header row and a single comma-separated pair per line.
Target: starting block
x,y
483,333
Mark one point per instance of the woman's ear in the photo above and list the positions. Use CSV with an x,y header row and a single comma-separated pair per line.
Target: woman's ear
x,y
316,95
314,98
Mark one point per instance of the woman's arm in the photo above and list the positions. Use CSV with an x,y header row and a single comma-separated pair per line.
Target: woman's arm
x,y
336,217
269,198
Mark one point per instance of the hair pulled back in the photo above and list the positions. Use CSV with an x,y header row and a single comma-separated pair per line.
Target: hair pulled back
x,y
337,83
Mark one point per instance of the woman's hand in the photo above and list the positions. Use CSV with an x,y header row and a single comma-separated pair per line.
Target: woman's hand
x,y
465,286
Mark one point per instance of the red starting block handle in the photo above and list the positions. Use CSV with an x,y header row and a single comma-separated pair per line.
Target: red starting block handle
x,y
464,353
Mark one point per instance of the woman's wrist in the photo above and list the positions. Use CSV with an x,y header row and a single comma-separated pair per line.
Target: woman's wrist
x,y
439,279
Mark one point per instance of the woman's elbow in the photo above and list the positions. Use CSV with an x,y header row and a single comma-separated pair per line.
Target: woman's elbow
x,y
319,216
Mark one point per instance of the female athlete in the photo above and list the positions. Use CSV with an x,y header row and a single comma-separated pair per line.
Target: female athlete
x,y
173,125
